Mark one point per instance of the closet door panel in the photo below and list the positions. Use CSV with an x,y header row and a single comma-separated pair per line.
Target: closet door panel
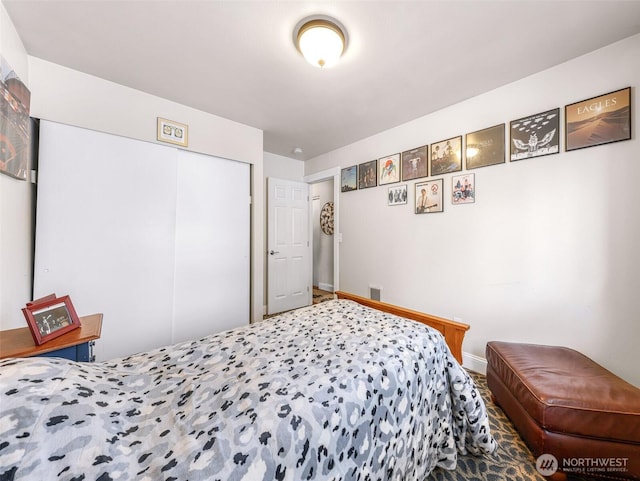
x,y
105,233
212,253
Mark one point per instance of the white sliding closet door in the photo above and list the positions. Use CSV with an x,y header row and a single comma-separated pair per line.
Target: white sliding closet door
x,y
104,232
212,245
130,229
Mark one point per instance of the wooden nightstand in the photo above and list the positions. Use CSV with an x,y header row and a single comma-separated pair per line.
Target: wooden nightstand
x,y
76,345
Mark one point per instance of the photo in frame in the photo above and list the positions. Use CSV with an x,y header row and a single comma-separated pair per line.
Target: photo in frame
x,y
398,195
50,317
485,147
535,136
446,156
349,179
598,120
15,124
415,163
429,196
389,169
463,189
173,132
368,174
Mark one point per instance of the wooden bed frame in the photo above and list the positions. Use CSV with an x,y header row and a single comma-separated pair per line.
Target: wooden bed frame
x,y
453,331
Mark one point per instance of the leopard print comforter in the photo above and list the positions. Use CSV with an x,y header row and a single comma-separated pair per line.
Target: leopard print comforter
x,y
336,391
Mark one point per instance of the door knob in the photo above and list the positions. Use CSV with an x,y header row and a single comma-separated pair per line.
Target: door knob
x,y
272,252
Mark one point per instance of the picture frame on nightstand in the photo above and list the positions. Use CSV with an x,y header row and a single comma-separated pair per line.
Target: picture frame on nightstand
x,y
50,317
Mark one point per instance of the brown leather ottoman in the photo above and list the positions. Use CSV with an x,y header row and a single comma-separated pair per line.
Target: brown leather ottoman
x,y
564,404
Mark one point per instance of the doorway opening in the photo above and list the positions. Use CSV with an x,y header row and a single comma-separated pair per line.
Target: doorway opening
x,y
322,226
324,189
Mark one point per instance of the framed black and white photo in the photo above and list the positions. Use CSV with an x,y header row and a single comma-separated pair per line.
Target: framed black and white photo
x,y
415,163
389,169
349,179
485,147
368,174
429,196
398,194
598,120
446,156
463,189
50,317
535,136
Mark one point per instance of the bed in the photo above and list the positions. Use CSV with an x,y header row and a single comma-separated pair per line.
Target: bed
x,y
335,391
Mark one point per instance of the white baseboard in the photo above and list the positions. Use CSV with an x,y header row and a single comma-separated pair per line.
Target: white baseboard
x,y
325,287
474,363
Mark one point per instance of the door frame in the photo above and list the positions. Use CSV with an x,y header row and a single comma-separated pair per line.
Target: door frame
x,y
333,173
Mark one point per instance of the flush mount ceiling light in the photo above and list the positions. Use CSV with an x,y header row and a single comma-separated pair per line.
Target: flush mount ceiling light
x,y
321,40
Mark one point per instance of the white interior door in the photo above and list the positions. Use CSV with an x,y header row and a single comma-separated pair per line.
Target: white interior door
x,y
288,250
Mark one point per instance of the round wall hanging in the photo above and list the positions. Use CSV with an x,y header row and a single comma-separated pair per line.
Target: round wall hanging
x,y
326,218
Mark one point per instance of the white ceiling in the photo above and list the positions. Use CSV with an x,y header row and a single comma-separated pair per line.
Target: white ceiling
x,y
236,59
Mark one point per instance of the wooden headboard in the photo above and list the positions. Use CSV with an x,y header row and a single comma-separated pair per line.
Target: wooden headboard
x,y
453,331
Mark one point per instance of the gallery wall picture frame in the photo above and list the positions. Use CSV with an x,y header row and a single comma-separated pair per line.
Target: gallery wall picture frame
x,y
463,189
389,169
16,125
446,156
599,120
349,179
368,174
429,196
173,132
415,163
50,317
485,147
398,194
535,135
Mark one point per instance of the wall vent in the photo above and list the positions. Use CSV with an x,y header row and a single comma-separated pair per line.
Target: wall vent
x,y
374,293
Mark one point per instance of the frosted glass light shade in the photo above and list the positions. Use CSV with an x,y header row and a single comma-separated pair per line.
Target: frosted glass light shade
x,y
321,42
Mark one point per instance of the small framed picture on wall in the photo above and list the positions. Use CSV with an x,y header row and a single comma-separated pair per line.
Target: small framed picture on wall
x,y
368,174
485,147
463,189
389,169
398,195
173,132
446,156
415,163
598,120
429,197
535,135
349,179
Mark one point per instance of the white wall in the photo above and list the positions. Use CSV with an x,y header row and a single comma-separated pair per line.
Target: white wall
x,y
548,253
68,96
320,194
16,243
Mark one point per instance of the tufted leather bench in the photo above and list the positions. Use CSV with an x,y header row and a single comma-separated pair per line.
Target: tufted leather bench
x,y
564,404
